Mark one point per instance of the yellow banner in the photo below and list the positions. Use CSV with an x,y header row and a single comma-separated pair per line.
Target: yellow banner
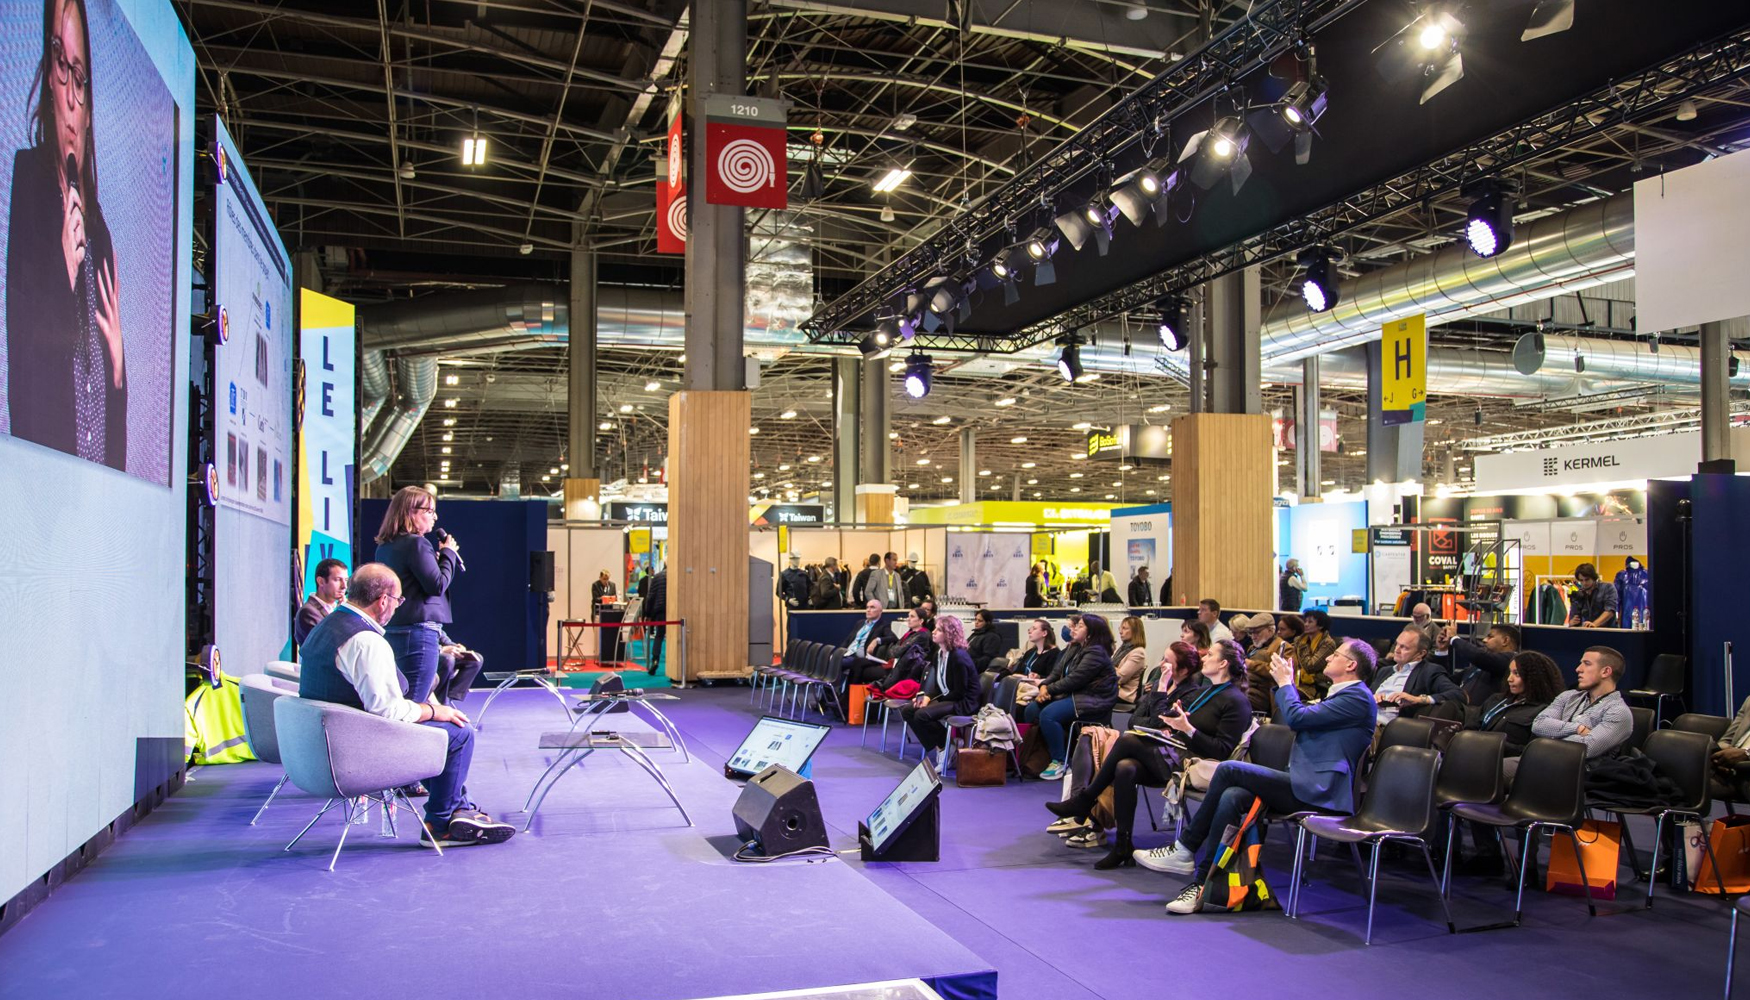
x,y
640,540
1403,363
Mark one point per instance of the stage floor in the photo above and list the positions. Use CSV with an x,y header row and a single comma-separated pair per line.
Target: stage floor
x,y
612,896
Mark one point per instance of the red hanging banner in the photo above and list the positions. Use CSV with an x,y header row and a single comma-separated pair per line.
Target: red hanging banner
x,y
671,191
745,152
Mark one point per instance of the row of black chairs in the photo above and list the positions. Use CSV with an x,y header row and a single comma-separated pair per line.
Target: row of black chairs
x,y
809,673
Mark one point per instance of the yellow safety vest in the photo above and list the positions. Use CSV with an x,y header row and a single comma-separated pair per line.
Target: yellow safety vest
x,y
215,732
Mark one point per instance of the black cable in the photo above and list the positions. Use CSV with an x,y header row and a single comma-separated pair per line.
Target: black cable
x,y
742,854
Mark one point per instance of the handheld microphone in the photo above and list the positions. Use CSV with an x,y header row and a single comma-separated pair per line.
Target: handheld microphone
x,y
71,170
441,535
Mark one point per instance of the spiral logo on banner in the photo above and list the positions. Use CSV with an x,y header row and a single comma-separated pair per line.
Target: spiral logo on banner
x,y
744,166
677,216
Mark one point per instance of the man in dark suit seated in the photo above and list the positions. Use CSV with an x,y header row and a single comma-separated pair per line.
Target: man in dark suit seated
x,y
863,662
330,589
1415,683
1330,737
457,667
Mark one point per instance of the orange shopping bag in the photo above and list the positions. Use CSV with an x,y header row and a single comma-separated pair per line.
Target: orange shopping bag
x,y
1600,848
859,696
1731,843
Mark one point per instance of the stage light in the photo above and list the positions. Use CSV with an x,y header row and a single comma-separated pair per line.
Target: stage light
x,y
874,346
1040,246
1175,325
1548,18
917,376
474,151
1292,117
1091,220
891,180
1146,189
1069,363
886,332
1219,152
1488,227
1319,285
1426,49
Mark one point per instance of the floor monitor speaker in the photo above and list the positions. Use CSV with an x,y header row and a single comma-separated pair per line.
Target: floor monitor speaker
x,y
778,812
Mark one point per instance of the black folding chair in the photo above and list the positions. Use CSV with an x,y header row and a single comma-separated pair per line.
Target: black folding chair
x,y
1685,758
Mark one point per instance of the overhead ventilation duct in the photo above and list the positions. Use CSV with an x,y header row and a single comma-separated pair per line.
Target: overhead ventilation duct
x,y
1555,255
373,387
535,313
415,386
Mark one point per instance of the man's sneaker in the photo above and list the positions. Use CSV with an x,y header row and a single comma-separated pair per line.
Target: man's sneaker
x,y
1189,901
470,826
1090,839
1167,859
1053,772
1068,824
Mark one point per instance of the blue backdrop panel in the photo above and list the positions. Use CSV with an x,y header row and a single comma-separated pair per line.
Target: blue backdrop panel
x,y
1721,550
495,611
1320,525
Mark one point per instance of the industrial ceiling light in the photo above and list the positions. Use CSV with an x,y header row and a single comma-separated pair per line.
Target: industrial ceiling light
x,y
1318,286
1686,111
1146,189
474,151
892,179
1426,49
1069,363
1175,325
1488,227
886,213
1219,152
917,376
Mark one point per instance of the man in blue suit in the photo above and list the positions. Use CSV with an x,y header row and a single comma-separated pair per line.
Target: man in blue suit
x,y
1330,737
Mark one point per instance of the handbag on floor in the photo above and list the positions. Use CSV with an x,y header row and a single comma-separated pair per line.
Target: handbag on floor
x,y
1731,840
980,767
1600,849
1236,877
1035,755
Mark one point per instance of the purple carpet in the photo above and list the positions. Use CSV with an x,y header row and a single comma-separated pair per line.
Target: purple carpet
x,y
612,895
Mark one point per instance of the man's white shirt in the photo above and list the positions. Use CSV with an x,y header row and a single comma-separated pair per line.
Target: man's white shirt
x,y
368,664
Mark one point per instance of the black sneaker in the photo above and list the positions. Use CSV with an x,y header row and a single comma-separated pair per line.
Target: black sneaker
x,y
474,826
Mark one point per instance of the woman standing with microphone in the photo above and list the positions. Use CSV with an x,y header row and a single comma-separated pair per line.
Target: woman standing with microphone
x,y
425,575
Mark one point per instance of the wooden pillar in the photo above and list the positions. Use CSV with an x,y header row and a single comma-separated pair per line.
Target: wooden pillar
x,y
708,449
1222,509
583,499
875,503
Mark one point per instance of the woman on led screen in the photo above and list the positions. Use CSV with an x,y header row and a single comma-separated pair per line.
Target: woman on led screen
x,y
67,383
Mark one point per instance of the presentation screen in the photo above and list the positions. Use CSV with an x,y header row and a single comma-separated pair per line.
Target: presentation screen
x,y
777,741
326,431
896,812
253,599
90,271
96,185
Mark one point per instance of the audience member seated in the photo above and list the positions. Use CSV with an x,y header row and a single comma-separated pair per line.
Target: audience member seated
x,y
330,590
1209,715
1414,683
950,688
457,667
1593,605
347,661
1594,713
1262,630
1533,681
1130,661
1422,620
1083,686
1731,759
1309,650
985,644
1330,738
1032,663
1195,634
1478,668
865,647
910,656
1209,613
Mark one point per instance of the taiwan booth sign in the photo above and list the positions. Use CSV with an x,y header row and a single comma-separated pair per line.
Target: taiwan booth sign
x,y
746,163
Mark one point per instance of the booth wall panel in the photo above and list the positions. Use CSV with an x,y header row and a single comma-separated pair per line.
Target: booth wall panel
x,y
707,579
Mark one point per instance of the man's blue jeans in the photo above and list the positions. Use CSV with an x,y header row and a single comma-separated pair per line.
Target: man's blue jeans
x,y
1053,718
446,792
416,656
1231,791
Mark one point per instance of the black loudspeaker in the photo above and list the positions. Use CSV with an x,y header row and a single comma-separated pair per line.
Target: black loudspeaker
x,y
778,812
611,684
541,572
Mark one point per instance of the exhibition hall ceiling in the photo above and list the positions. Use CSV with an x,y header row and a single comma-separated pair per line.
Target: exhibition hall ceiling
x,y
351,115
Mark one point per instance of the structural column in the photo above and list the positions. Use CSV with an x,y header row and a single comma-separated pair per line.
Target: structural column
x,y
847,438
1223,462
1394,454
1306,432
1716,424
583,484
968,465
874,494
708,447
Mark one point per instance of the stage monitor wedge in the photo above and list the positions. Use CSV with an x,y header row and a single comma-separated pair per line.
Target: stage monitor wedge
x,y
779,814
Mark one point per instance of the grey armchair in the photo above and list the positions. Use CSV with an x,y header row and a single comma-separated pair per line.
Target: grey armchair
x,y
285,670
259,694
345,755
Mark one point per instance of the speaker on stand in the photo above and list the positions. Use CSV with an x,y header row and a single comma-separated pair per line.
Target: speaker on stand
x,y
541,585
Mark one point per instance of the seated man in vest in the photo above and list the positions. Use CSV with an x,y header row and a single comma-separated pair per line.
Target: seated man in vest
x,y
1329,738
346,660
